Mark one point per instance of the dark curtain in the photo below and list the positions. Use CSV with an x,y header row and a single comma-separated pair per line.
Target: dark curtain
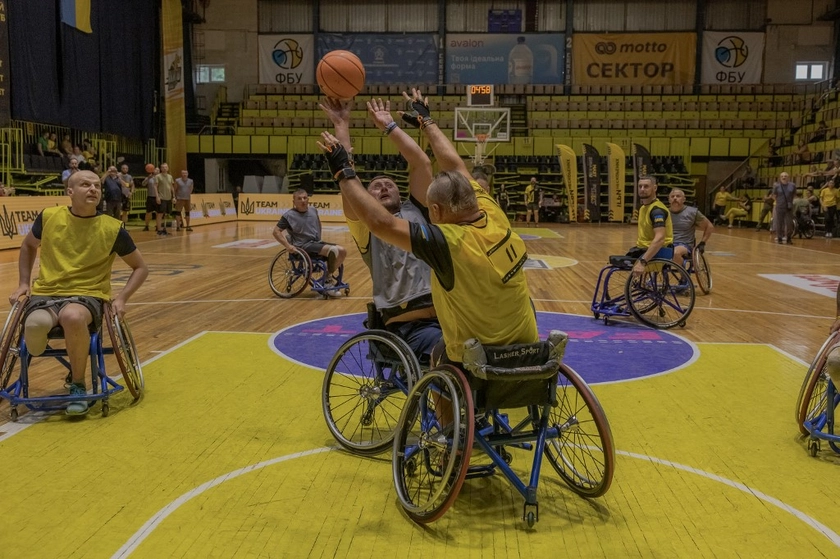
x,y
102,81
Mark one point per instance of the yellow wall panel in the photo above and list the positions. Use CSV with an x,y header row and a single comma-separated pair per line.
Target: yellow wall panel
x,y
259,144
192,144
719,147
205,144
700,147
278,144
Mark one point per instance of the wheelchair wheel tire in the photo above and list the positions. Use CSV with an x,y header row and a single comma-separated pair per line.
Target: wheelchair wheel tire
x,y
364,390
583,454
702,271
811,402
126,353
10,341
289,274
663,296
433,444
809,228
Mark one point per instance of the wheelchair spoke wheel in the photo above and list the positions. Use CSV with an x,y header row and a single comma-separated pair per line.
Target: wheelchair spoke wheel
x,y
289,273
433,444
809,228
702,271
614,288
582,453
126,353
663,296
10,341
364,390
811,402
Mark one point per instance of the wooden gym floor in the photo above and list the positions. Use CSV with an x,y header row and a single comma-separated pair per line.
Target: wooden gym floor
x,y
228,454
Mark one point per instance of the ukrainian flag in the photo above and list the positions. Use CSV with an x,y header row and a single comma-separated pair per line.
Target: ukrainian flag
x,y
76,13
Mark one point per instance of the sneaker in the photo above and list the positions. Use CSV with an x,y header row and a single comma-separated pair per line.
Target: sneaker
x,y
329,282
730,227
783,240
146,228
79,407
828,235
189,229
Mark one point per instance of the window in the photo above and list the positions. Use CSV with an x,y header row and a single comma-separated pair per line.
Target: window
x,y
210,73
811,71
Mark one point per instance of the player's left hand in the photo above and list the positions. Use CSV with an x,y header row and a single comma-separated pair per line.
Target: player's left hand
x,y
337,111
337,157
380,113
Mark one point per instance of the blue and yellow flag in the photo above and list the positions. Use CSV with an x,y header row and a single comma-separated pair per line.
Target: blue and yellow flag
x,y
76,13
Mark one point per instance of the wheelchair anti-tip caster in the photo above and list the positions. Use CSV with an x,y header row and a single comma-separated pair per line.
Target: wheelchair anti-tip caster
x,y
13,414
106,409
813,447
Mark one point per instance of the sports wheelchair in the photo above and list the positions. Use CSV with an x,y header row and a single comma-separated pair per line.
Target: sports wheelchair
x,y
804,225
697,264
365,387
661,297
291,272
13,351
446,416
817,401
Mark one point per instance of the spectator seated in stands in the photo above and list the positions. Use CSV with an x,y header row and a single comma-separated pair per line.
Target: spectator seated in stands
x,y
80,159
42,144
67,145
820,133
802,153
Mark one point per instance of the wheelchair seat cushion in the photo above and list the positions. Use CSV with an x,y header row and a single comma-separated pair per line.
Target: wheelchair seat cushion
x,y
622,261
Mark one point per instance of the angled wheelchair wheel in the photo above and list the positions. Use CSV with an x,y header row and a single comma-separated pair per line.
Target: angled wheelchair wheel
x,y
433,444
289,273
364,390
811,402
701,271
663,296
10,341
126,353
582,454
809,228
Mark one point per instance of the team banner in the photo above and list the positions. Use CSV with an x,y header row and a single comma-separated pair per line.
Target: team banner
x,y
287,59
270,207
173,70
212,208
642,167
732,57
568,165
591,183
388,57
628,58
518,58
616,172
18,213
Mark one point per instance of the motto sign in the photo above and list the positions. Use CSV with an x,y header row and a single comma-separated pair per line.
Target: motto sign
x,y
649,59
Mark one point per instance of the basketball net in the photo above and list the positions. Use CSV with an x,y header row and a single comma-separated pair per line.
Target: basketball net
x,y
480,149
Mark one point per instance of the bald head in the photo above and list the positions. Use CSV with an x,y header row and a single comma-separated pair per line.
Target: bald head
x,y
82,177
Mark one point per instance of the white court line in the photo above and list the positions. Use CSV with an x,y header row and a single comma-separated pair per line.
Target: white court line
x,y
150,525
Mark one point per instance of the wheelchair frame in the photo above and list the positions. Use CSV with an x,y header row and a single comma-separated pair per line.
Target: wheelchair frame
x,y
433,445
818,398
655,293
13,351
288,275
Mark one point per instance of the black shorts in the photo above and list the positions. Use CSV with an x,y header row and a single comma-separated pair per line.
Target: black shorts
x,y
151,205
313,248
165,207
126,204
93,304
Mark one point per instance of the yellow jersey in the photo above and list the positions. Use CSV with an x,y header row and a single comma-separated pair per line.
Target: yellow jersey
x,y
478,285
652,216
828,197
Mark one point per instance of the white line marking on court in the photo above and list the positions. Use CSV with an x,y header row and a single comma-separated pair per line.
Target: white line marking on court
x,y
147,528
145,531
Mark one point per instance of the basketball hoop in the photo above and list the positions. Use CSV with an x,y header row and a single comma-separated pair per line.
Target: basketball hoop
x,y
480,145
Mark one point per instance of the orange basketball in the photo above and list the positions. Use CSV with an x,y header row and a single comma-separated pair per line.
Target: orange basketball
x,y
150,168
340,74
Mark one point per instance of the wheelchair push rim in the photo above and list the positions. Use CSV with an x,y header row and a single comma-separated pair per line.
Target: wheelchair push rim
x,y
433,444
364,390
582,453
289,274
662,296
702,271
10,341
126,353
811,402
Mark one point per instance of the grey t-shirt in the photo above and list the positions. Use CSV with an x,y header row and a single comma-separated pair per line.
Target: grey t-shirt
x,y
303,227
684,223
785,193
183,188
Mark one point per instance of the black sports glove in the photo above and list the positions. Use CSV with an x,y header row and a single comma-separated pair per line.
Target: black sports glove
x,y
417,114
338,158
701,247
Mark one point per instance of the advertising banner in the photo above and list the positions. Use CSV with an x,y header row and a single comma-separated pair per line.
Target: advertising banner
x,y
287,59
212,208
732,57
388,57
636,59
519,58
591,183
270,207
616,172
18,213
641,167
568,165
173,71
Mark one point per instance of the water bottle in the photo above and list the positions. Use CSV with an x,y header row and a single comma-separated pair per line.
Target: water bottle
x,y
520,63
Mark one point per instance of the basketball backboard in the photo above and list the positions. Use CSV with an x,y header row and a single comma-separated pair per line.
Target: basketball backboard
x,y
481,125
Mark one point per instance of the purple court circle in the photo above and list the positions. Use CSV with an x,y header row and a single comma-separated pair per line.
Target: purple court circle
x,y
599,353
